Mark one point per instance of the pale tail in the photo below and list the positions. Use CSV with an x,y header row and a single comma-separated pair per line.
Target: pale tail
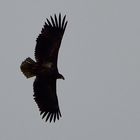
x,y
27,67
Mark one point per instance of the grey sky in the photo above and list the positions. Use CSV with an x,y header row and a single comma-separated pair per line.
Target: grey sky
x,y
99,58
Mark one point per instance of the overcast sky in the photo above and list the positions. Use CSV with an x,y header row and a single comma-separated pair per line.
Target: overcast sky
x,y
99,57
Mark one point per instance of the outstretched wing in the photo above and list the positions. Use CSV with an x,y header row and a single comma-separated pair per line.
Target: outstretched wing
x,y
46,98
48,42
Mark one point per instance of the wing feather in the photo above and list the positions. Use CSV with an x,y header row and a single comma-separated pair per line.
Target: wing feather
x,y
63,21
49,23
53,23
46,98
59,20
56,21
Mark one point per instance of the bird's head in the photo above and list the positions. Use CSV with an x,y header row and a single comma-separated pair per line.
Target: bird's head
x,y
60,76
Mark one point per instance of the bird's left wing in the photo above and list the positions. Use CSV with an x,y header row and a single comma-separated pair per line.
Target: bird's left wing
x,y
46,98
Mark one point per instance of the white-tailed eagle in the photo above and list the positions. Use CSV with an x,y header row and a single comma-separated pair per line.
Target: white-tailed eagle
x,y
45,67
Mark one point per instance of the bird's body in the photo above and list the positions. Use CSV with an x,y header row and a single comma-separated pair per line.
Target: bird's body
x,y
45,67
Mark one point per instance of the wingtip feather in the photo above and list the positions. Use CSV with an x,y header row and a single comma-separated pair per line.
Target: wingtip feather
x,y
63,22
49,23
56,21
52,20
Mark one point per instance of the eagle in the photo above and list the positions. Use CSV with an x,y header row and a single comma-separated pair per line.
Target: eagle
x,y
45,69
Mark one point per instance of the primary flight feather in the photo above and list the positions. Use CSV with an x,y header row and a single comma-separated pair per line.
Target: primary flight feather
x,y
45,67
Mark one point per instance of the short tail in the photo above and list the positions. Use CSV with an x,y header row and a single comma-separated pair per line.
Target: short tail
x,y
28,67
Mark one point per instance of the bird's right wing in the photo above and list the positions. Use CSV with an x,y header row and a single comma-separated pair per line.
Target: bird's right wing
x,y
46,98
48,42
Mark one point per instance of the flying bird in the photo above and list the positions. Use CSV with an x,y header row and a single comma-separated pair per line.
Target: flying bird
x,y
45,67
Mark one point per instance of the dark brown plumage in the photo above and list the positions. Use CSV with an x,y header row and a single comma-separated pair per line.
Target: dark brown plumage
x,y
45,68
